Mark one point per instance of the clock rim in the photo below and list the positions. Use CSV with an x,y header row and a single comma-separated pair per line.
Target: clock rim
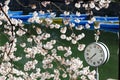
x,y
106,53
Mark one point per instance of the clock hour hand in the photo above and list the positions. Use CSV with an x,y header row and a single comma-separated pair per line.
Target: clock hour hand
x,y
92,56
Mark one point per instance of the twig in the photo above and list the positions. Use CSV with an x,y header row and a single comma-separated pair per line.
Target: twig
x,y
21,4
57,6
7,18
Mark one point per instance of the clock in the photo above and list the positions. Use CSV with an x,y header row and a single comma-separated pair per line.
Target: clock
x,y
96,54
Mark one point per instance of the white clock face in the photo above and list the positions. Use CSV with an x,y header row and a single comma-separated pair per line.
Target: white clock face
x,y
96,54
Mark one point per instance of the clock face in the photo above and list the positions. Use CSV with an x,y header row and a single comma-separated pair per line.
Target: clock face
x,y
96,54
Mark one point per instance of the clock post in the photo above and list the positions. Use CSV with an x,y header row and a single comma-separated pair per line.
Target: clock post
x,y
97,74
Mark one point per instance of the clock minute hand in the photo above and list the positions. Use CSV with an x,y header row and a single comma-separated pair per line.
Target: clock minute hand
x,y
92,56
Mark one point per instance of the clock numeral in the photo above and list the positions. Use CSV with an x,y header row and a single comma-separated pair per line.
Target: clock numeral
x,y
98,47
88,50
87,54
100,51
101,55
94,63
98,62
100,59
88,58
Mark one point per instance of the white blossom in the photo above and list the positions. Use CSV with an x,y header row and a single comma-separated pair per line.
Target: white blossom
x,y
48,21
38,30
63,36
81,47
53,41
77,20
47,35
30,65
77,5
33,6
52,26
66,13
5,68
74,41
61,48
48,46
92,4
57,26
68,53
80,27
63,29
3,77
23,45
68,38
66,21
72,25
64,75
29,39
52,15
87,26
20,32
45,3
97,8
78,13
1,23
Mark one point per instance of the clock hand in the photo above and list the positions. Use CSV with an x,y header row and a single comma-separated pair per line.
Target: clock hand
x,y
92,56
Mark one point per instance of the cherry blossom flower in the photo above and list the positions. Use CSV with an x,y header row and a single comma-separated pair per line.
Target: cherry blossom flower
x,y
81,47
38,30
68,38
63,36
64,75
77,20
30,65
3,78
78,13
52,26
79,27
67,2
57,26
20,32
42,12
66,21
45,3
33,6
66,13
77,5
5,68
72,25
92,4
74,41
61,48
52,15
48,46
0,23
87,26
63,29
29,39
53,41
48,21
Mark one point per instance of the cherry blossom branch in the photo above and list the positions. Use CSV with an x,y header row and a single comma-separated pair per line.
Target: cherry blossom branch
x,y
7,18
57,7
21,4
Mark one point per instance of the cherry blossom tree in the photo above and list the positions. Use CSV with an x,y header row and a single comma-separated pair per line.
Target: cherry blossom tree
x,y
38,48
